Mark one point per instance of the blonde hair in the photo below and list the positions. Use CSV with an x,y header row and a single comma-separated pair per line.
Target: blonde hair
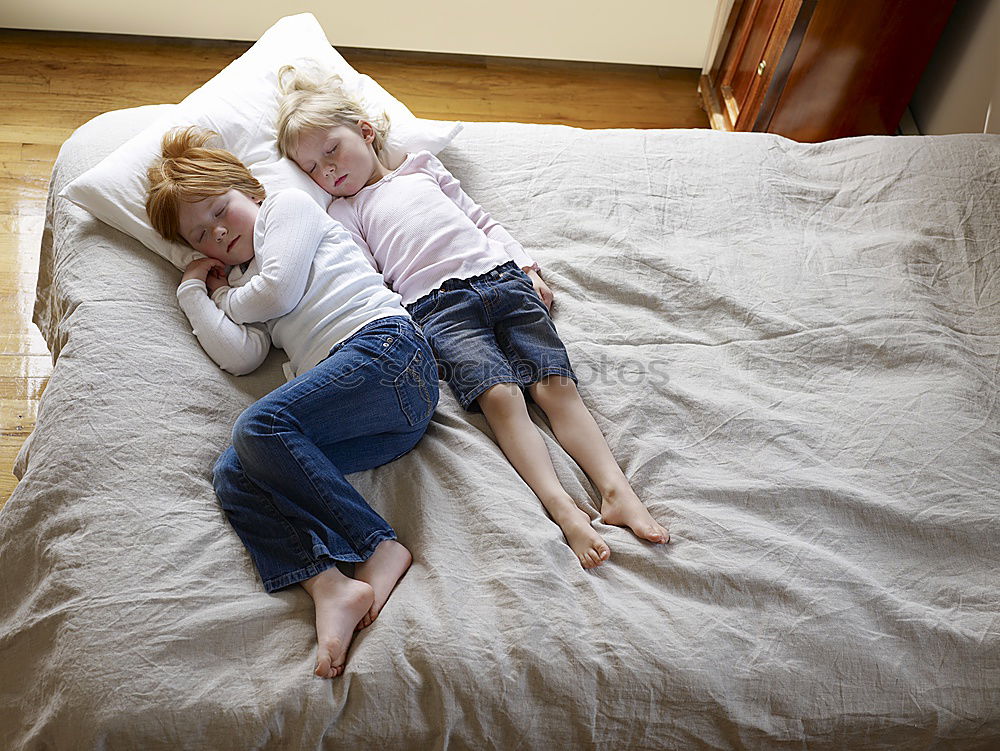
x,y
190,170
309,102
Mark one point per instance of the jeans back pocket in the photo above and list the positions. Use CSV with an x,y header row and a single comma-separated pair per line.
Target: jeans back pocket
x,y
417,388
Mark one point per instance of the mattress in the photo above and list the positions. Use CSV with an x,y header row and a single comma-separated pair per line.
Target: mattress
x,y
793,350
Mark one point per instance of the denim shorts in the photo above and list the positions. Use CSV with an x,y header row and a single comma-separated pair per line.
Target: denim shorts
x,y
490,329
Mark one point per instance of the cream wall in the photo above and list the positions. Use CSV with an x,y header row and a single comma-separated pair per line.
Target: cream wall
x,y
960,90
652,32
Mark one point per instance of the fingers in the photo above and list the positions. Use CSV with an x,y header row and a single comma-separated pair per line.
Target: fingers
x,y
546,294
206,264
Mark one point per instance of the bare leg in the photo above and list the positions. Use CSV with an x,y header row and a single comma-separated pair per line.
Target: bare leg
x,y
340,603
382,570
523,446
577,432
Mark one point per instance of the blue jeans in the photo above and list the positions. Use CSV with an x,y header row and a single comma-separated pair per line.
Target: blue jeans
x,y
489,329
282,482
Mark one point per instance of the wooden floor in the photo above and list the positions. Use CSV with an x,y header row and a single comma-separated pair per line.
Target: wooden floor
x,y
51,83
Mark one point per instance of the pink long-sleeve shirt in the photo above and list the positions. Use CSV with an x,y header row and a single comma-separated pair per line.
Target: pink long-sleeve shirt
x,y
422,229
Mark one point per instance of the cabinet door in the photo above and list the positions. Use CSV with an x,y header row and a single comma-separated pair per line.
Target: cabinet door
x,y
751,51
751,23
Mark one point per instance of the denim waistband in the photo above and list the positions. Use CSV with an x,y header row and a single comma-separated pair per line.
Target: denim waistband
x,y
455,283
397,321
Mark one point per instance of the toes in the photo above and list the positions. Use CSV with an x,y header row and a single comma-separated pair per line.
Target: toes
x,y
327,670
652,532
323,667
594,557
366,620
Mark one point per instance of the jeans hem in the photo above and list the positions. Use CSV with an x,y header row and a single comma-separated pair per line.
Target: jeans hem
x,y
281,581
469,403
553,371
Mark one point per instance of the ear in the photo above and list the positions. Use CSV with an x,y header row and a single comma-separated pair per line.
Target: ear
x,y
367,130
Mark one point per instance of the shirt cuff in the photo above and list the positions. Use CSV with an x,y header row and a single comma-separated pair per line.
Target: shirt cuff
x,y
220,295
191,284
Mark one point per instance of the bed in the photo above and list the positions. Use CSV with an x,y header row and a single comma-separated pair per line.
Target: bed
x,y
793,351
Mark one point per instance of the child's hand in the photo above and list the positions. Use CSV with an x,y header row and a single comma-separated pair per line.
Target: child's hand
x,y
200,267
216,279
541,288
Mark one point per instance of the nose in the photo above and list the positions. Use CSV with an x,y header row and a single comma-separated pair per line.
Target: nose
x,y
219,232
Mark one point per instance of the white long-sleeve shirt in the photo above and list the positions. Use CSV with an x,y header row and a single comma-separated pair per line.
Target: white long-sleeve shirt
x,y
307,288
423,229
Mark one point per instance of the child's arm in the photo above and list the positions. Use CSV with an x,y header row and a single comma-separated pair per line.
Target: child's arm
x,y
341,212
294,228
479,216
238,349
492,229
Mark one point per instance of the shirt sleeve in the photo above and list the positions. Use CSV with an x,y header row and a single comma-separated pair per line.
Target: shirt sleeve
x,y
294,226
340,211
479,216
236,348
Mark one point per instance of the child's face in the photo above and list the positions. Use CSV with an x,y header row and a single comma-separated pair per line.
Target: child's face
x,y
221,227
341,160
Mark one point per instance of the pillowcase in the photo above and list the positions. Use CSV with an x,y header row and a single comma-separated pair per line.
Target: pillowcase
x,y
241,105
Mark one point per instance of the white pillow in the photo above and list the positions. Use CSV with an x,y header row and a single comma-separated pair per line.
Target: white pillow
x,y
241,105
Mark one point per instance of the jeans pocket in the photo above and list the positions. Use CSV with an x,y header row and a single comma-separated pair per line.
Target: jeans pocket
x,y
425,307
416,391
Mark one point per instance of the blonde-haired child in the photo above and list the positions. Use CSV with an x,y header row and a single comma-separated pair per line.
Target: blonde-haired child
x,y
475,292
365,391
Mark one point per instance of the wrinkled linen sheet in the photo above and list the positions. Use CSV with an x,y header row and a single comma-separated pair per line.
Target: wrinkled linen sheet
x,y
793,351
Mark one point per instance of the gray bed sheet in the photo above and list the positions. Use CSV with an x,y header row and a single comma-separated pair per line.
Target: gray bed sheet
x,y
794,353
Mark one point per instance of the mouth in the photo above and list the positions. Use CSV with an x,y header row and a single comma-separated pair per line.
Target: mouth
x,y
229,248
339,181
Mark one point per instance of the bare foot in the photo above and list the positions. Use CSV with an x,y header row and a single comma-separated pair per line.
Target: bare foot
x,y
622,508
340,603
590,548
382,570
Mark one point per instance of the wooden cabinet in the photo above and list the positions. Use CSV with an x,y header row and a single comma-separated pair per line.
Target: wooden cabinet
x,y
812,70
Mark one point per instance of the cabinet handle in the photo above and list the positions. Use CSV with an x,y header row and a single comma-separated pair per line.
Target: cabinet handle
x,y
760,68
